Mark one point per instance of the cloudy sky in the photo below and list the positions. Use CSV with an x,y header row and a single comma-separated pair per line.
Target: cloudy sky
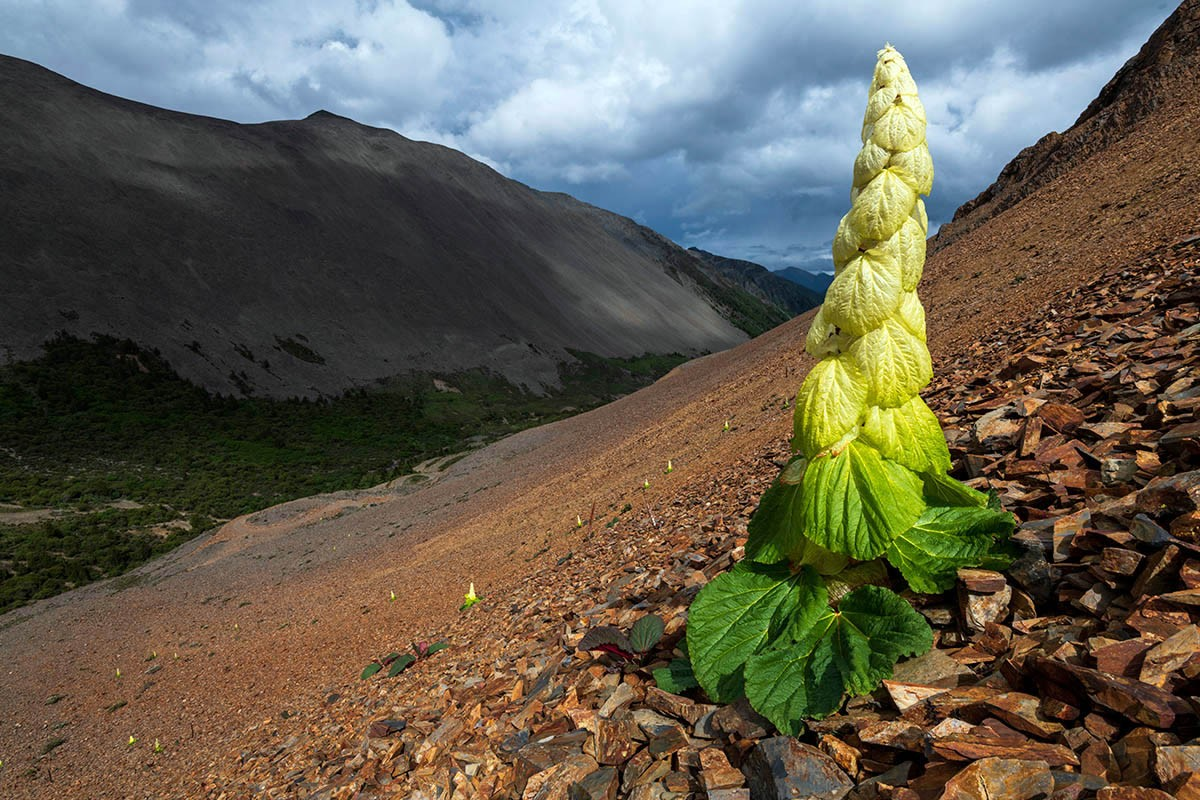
x,y
726,125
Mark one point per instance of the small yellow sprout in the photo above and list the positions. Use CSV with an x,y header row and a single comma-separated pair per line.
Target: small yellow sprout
x,y
469,599
645,484
578,521
726,425
158,748
132,740
392,596
118,672
669,468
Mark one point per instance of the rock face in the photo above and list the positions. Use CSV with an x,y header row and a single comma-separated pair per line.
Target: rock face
x,y
307,257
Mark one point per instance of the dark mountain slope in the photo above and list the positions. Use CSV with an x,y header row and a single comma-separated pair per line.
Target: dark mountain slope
x,y
816,282
761,282
306,257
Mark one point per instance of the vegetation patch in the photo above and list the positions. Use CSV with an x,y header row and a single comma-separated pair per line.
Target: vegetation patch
x,y
93,423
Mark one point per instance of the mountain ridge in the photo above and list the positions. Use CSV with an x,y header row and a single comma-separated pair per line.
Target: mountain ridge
x,y
218,243
768,286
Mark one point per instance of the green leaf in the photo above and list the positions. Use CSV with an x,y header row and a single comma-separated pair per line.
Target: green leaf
x,y
738,614
942,490
776,531
400,664
788,684
855,502
868,572
435,647
851,649
943,539
776,527
1001,555
892,629
677,677
370,670
646,633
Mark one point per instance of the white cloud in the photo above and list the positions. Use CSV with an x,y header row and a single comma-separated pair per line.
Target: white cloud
x,y
731,123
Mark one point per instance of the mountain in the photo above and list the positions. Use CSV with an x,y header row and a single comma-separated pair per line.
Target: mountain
x,y
760,282
306,257
256,633
816,282
1156,85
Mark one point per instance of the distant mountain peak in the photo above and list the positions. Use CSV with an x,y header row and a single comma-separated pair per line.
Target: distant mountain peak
x,y
322,114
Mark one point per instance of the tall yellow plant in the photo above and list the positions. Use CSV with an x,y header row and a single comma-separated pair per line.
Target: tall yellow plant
x,y
807,616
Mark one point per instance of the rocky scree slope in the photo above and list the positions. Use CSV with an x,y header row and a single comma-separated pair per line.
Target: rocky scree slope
x,y
1077,672
306,257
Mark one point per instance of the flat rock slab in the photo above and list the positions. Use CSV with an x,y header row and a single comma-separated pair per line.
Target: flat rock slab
x,y
781,768
1001,779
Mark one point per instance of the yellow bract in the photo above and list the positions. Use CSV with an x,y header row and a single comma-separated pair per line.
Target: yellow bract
x,y
870,332
895,362
829,405
865,293
881,206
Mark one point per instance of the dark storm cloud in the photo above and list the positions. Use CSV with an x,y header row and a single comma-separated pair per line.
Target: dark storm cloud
x,y
729,126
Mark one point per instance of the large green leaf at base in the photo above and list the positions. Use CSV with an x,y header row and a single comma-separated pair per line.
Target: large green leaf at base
x,y
791,683
776,531
855,502
776,528
805,675
943,539
739,613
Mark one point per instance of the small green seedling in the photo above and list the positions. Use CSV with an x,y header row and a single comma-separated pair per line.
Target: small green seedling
x,y
808,616
158,748
642,637
669,468
397,662
132,740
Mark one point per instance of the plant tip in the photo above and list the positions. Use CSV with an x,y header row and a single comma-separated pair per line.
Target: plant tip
x,y
470,598
132,740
